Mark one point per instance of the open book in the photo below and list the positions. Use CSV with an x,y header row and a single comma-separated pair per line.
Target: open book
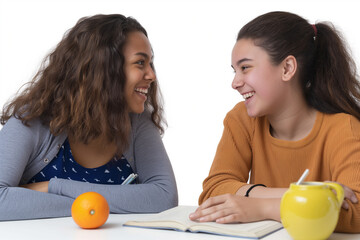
x,y
178,219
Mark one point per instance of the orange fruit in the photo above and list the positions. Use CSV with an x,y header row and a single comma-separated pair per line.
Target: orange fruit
x,y
90,210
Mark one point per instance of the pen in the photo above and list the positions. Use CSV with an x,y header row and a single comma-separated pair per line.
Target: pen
x,y
129,179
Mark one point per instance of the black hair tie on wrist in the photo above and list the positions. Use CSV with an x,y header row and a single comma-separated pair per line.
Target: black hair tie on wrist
x,y
250,188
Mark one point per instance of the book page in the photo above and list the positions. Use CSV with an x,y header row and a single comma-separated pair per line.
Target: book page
x,y
253,229
178,218
178,214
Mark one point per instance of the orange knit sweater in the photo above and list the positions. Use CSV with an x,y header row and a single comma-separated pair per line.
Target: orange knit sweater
x,y
331,151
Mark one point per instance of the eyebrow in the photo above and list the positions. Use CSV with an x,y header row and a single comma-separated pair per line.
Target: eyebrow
x,y
241,61
144,55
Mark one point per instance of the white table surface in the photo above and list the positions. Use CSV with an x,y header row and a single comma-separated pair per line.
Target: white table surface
x,y
65,228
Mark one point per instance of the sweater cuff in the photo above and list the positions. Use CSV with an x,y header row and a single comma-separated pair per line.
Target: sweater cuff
x,y
54,186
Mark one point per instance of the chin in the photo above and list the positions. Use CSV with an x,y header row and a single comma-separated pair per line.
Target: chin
x,y
252,114
137,110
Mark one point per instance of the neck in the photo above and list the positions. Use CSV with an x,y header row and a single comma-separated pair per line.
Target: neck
x,y
294,124
95,153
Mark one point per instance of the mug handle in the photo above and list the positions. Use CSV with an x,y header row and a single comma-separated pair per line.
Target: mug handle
x,y
338,189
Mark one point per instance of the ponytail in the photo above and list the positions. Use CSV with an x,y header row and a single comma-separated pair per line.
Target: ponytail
x,y
334,87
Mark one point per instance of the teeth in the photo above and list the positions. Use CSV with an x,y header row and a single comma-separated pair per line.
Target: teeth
x,y
248,95
142,90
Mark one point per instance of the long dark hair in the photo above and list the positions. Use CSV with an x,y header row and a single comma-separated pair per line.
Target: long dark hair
x,y
79,88
326,70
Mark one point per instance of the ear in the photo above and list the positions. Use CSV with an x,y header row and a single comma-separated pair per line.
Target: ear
x,y
289,68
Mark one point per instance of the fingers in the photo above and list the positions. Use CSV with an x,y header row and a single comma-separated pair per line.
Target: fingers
x,y
214,213
40,186
214,201
231,218
205,209
228,208
211,209
348,195
345,205
219,214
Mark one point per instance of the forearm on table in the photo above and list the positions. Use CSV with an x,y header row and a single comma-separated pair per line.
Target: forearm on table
x,y
269,198
261,192
19,203
135,198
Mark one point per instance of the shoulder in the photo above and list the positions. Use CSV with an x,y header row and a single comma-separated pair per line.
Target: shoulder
x,y
342,124
238,123
34,134
355,126
238,115
238,111
138,119
142,124
17,127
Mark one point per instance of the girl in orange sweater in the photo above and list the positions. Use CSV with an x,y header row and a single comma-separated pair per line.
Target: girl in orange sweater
x,y
301,110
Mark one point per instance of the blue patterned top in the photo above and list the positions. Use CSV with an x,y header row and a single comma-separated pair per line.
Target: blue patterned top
x,y
64,166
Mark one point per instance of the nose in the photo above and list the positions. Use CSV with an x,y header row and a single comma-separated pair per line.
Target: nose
x,y
237,82
150,74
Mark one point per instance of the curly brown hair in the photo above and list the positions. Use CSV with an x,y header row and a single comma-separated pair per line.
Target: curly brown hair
x,y
79,89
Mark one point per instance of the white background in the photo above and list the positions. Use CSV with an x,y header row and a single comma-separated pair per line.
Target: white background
x,y
192,42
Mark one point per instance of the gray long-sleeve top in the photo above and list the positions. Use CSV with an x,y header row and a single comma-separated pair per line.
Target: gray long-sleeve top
x,y
24,151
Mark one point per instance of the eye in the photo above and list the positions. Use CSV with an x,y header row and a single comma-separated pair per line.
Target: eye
x,y
140,62
243,68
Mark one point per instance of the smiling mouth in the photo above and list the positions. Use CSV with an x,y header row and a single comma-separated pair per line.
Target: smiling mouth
x,y
142,91
248,95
